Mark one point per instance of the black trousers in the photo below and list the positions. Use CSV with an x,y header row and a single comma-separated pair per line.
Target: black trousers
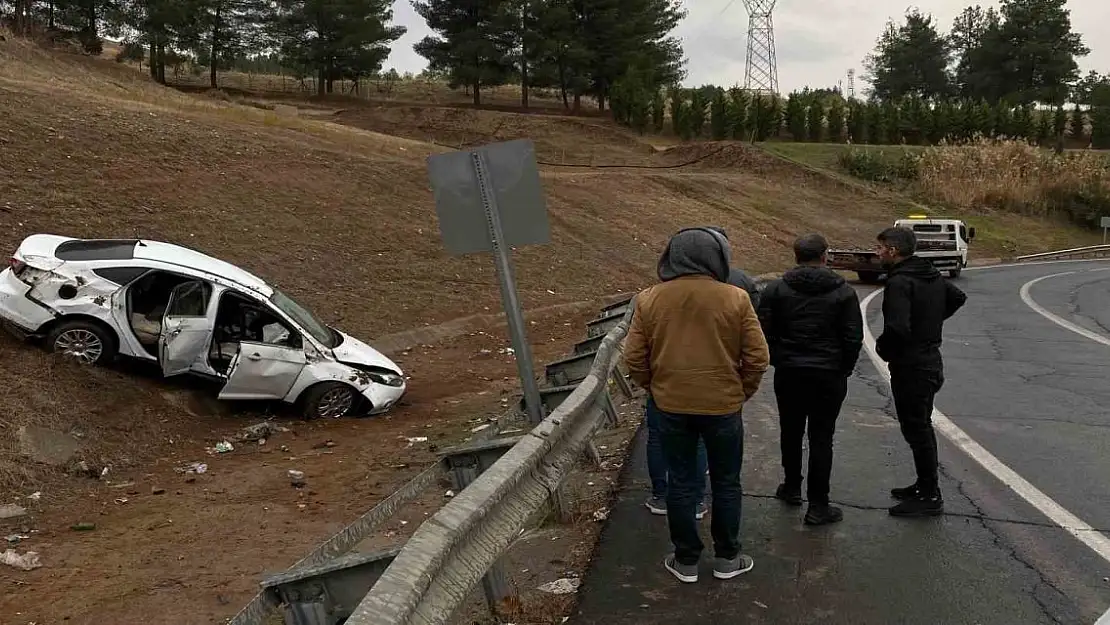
x,y
914,389
724,446
812,396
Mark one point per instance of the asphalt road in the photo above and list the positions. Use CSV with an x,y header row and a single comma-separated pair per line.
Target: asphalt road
x,y
1033,394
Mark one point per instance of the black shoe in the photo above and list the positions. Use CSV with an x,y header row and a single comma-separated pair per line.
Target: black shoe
x,y
919,506
907,492
823,515
792,496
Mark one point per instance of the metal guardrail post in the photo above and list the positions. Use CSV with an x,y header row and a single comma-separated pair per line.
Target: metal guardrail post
x,y
325,594
602,325
465,463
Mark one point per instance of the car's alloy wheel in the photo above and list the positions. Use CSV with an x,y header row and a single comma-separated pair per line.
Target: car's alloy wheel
x,y
80,344
335,402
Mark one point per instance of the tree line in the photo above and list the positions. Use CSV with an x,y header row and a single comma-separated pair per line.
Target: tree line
x,y
824,115
330,39
579,47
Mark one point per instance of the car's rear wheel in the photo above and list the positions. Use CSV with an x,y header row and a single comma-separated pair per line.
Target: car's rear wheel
x,y
83,341
329,400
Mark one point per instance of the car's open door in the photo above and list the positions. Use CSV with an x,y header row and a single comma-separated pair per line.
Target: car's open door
x,y
186,328
262,371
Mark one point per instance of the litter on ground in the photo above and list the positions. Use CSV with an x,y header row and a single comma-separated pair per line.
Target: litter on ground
x,y
564,586
26,562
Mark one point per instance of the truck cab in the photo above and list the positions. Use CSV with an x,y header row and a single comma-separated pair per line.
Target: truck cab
x,y
943,242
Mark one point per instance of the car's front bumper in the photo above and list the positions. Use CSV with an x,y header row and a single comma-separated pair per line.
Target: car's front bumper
x,y
382,397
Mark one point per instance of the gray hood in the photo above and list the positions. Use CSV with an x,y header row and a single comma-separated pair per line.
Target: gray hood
x,y
695,252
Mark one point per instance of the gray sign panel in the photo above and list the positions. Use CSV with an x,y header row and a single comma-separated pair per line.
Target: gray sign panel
x,y
516,184
1106,222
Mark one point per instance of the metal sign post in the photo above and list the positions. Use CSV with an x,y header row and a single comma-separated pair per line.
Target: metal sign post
x,y
1105,227
489,199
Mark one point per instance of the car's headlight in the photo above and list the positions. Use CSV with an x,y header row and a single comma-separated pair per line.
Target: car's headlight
x,y
388,379
379,375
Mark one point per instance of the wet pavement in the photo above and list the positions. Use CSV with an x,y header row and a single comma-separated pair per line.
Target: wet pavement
x,y
1034,394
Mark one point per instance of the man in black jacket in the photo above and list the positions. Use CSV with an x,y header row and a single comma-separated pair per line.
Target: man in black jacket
x,y
916,302
812,322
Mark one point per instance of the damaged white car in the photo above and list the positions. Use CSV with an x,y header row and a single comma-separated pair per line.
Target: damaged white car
x,y
193,314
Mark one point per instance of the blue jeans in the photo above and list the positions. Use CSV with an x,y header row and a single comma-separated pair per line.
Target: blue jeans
x,y
657,462
723,437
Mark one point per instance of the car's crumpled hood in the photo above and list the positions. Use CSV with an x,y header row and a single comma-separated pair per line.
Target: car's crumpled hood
x,y
356,352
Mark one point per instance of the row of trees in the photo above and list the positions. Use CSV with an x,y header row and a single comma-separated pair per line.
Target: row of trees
x,y
331,39
1023,52
580,47
714,113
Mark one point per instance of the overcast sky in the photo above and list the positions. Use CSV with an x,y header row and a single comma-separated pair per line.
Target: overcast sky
x,y
817,41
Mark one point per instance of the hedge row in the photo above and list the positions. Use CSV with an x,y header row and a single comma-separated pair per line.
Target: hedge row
x,y
716,113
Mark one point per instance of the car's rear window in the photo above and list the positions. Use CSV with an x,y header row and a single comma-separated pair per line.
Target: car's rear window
x,y
97,249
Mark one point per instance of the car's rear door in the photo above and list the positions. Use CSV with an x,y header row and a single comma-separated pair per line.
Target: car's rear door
x,y
186,327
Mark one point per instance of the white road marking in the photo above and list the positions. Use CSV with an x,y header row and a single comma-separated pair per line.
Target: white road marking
x,y
1060,321
1070,523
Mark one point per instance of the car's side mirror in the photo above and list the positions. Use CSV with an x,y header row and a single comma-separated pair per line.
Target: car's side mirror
x,y
970,234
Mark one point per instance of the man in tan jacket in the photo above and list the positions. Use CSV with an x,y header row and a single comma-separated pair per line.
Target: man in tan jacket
x,y
696,345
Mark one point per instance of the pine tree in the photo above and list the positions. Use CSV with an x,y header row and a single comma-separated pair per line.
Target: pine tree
x,y
941,122
698,105
984,118
774,115
1060,121
836,121
1022,127
1100,127
658,110
796,117
680,113
815,120
892,123
739,118
857,122
718,109
1002,120
1044,128
1078,125
470,43
876,127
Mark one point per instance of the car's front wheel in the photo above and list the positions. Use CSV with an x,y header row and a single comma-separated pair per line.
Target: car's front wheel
x,y
329,400
83,341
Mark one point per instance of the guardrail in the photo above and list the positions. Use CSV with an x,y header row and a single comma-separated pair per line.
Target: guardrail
x,y
1090,251
505,479
442,563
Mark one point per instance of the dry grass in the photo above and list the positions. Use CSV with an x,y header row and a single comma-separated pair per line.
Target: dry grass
x,y
1018,177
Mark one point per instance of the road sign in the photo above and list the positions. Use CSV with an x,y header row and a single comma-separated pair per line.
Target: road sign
x,y
489,199
1105,227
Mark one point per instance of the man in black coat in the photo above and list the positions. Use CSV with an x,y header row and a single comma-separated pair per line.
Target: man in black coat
x,y
811,319
916,302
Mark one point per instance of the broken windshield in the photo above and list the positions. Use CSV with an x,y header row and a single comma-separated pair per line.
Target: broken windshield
x,y
304,318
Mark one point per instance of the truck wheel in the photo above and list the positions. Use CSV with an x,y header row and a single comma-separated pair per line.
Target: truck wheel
x,y
955,273
868,277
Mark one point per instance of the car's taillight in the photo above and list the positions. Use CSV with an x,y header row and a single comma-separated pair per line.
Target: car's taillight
x,y
17,265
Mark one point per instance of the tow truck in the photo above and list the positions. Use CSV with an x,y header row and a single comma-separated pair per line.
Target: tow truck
x,y
943,242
